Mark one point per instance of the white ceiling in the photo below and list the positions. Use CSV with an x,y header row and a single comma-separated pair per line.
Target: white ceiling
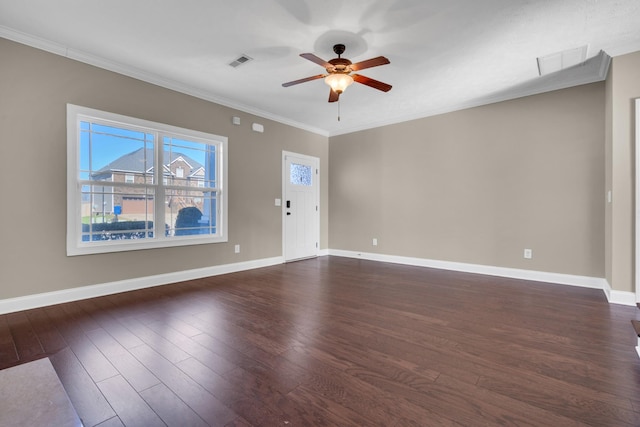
x,y
445,55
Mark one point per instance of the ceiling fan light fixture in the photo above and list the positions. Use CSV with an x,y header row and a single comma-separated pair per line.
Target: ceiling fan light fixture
x,y
338,82
338,73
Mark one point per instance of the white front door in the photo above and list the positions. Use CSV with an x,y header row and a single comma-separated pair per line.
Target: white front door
x,y
300,207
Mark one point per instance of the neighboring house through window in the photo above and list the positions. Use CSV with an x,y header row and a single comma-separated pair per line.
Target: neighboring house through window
x,y
116,199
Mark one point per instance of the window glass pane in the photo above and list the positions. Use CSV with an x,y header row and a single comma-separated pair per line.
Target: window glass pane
x,y
116,213
117,131
108,150
189,163
190,212
300,175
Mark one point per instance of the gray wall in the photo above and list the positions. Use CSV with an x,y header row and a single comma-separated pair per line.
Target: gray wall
x,y
35,87
623,86
473,186
479,185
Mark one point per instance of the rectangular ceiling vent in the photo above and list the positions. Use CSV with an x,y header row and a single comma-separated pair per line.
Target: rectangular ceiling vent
x,y
562,60
243,59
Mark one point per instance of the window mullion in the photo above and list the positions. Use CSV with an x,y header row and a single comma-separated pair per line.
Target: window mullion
x,y
159,190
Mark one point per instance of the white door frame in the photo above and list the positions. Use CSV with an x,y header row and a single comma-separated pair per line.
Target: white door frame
x,y
316,160
637,202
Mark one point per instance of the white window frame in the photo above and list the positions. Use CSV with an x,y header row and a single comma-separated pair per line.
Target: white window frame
x,y
75,245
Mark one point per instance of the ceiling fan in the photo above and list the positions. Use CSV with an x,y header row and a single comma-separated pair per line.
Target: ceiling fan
x,y
339,71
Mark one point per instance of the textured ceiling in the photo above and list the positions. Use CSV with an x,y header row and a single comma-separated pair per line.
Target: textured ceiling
x,y
445,55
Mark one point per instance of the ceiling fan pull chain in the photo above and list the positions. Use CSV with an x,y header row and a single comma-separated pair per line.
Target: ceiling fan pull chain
x,y
338,110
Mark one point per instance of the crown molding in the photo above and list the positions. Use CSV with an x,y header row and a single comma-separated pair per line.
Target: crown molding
x,y
592,70
129,71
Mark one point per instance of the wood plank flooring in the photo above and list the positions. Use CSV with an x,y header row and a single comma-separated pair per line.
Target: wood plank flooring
x,y
340,342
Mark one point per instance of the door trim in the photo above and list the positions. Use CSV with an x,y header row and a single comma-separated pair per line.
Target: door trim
x,y
316,160
637,202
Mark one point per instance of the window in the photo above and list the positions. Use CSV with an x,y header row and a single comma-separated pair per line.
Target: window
x,y
300,175
120,194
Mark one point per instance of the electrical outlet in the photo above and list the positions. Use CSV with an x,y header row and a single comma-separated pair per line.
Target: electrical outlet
x,y
237,249
528,254
375,242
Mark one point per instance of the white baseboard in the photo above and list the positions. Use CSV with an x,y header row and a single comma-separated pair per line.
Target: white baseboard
x,y
11,305
614,297
618,297
27,302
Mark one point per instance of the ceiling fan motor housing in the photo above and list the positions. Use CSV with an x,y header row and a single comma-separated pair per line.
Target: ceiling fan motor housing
x,y
339,65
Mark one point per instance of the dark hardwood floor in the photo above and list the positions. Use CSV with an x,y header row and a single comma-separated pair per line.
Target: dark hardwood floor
x,y
340,342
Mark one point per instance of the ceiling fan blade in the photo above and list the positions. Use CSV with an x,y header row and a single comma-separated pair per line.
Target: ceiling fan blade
x,y
306,79
371,82
311,57
333,95
373,62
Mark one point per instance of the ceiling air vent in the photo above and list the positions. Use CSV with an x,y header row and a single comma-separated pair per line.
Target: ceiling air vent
x,y
561,60
243,59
